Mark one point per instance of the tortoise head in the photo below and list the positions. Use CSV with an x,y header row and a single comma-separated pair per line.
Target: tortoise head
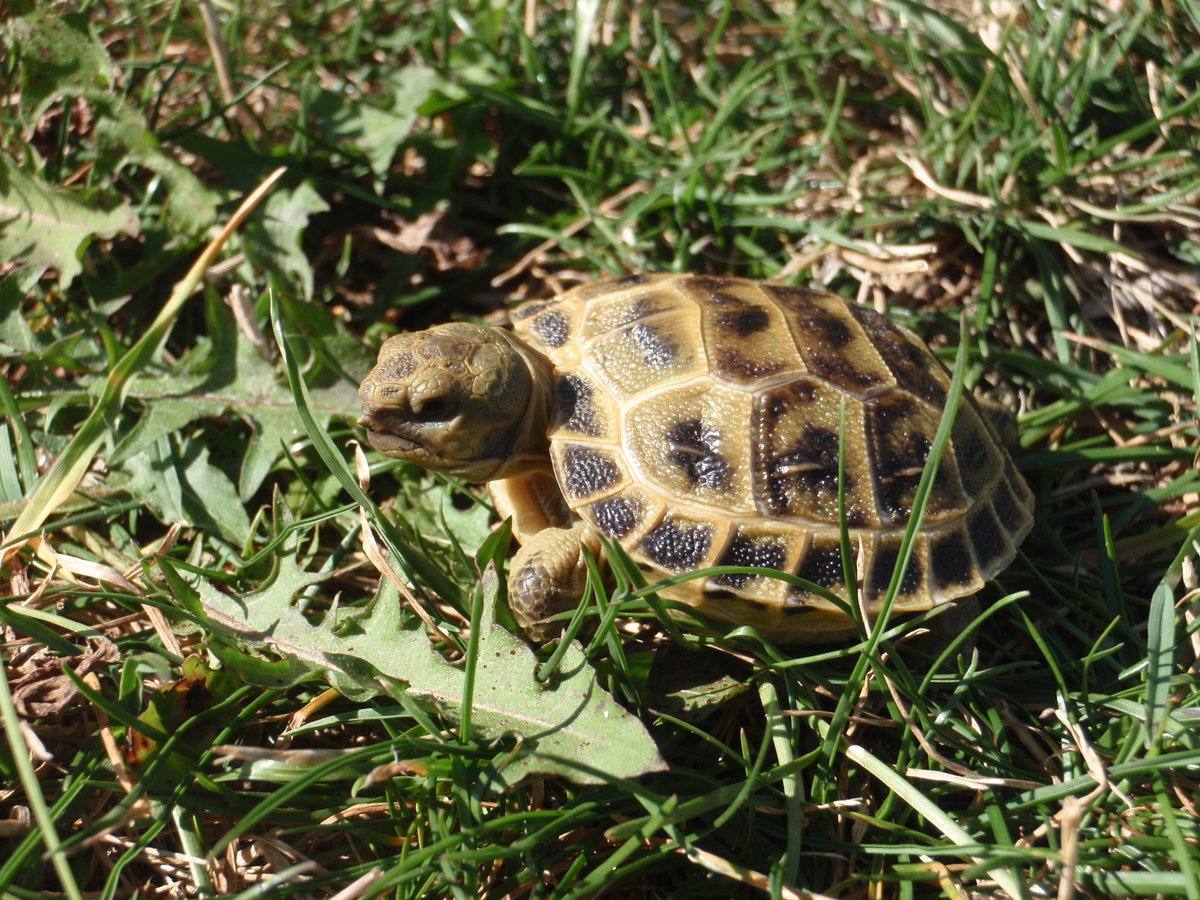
x,y
460,398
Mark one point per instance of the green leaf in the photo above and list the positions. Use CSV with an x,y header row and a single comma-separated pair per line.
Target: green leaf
x,y
16,337
45,226
274,241
62,57
571,727
229,374
176,479
377,131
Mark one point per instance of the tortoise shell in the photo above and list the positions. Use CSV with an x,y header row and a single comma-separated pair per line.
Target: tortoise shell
x,y
695,420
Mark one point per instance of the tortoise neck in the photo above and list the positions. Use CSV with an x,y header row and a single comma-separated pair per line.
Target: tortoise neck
x,y
529,447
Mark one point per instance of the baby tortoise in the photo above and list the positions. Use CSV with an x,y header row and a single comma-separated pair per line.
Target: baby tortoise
x,y
695,420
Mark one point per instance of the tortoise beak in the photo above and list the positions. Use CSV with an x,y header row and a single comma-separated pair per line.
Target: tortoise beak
x,y
389,435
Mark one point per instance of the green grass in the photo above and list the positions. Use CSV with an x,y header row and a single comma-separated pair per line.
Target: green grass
x,y
178,478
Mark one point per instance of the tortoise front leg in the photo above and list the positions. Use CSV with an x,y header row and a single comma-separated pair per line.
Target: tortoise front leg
x,y
547,576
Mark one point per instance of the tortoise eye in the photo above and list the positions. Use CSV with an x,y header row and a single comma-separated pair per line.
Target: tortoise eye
x,y
436,409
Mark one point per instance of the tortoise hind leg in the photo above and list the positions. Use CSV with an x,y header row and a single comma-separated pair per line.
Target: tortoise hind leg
x,y
547,577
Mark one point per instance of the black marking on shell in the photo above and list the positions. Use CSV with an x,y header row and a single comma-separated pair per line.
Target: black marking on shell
x,y
531,309
742,319
798,392
643,307
828,329
630,280
793,298
739,367
719,594
829,362
552,327
856,516
616,516
808,467
817,325
898,453
882,567
629,312
911,363
695,448
974,451
822,565
987,540
657,351
826,340
574,407
677,546
792,612
950,561
587,471
1010,515
706,284
748,551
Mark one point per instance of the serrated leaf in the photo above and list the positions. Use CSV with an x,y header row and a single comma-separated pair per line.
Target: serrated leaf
x,y
62,57
374,130
45,226
274,241
571,728
229,374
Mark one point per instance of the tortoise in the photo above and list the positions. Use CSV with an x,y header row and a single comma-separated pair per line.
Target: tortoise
x,y
695,421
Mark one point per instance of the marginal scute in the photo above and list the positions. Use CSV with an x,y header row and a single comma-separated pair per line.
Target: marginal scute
x,y
587,472
950,563
552,327
822,565
578,407
976,452
696,420
883,566
1008,513
625,513
748,549
677,544
988,542
616,516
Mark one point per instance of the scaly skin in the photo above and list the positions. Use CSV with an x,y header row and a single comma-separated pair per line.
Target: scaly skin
x,y
547,576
